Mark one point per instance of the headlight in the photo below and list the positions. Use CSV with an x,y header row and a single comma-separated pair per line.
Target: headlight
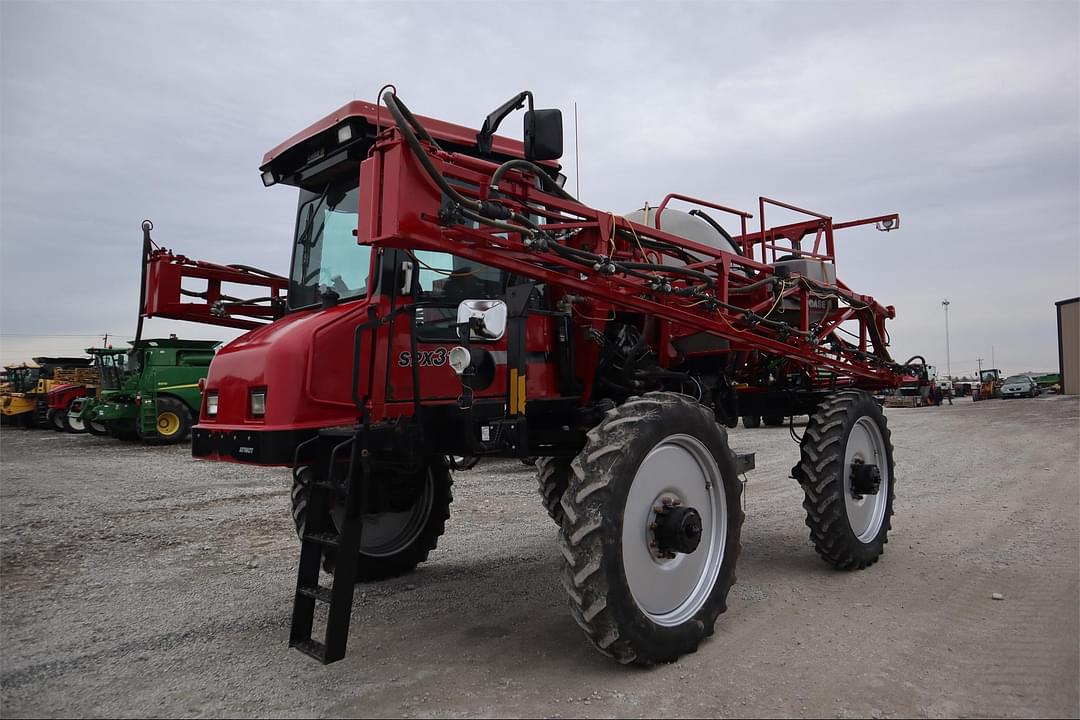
x,y
258,403
475,366
211,404
460,359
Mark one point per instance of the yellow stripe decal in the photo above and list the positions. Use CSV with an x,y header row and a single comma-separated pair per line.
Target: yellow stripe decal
x,y
513,391
178,387
521,393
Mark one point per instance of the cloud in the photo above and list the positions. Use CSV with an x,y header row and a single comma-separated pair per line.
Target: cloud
x,y
966,122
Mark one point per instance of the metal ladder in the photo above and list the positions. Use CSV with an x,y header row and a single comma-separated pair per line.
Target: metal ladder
x,y
320,537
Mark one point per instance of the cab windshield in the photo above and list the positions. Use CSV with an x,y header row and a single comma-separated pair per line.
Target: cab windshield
x,y
111,367
326,256
23,379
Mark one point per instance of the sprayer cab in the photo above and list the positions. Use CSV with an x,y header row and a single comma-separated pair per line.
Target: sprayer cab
x,y
300,367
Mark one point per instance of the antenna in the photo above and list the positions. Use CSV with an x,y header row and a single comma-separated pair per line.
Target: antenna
x,y
577,158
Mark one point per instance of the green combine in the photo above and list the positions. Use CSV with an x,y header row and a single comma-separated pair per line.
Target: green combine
x,y
150,392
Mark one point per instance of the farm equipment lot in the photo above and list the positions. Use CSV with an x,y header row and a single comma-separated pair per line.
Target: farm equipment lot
x,y
137,581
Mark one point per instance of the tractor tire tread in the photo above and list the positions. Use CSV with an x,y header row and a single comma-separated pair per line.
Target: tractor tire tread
x,y
370,569
553,476
821,474
593,485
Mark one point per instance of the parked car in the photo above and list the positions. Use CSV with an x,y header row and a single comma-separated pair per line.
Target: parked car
x,y
1019,386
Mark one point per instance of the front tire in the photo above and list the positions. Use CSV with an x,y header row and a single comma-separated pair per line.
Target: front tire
x,y
73,425
845,436
55,419
97,428
751,422
392,543
638,597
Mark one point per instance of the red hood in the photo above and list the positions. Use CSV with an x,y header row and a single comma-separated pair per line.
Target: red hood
x,y
280,358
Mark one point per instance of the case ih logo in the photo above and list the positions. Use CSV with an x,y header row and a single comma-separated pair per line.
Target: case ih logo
x,y
428,358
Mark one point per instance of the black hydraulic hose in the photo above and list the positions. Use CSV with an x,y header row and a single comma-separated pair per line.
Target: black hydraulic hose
x,y
411,119
395,107
716,226
509,227
674,269
256,271
532,167
771,280
231,301
658,245
567,250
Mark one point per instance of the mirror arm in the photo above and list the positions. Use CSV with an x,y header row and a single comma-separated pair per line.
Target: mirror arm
x,y
492,121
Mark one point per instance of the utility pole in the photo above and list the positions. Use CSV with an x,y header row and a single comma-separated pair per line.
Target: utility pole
x,y
980,368
993,362
948,360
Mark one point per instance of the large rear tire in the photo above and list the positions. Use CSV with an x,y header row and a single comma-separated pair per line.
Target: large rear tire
x,y
653,475
846,436
173,423
392,543
751,422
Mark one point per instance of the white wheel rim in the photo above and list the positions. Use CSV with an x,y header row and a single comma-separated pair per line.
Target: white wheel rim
x,y
100,427
76,423
866,514
671,591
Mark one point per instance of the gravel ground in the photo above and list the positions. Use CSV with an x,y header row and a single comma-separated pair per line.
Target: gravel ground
x,y
137,582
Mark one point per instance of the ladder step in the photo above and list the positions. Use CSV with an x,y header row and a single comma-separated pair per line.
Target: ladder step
x,y
320,593
330,539
311,648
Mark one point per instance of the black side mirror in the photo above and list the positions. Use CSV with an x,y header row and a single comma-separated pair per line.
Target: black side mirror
x,y
543,135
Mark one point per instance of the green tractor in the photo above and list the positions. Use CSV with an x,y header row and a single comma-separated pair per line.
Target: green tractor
x,y
150,392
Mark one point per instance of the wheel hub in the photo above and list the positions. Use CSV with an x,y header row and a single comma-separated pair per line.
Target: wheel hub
x,y
865,479
677,529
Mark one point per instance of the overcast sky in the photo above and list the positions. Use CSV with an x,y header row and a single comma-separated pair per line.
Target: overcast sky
x,y
963,117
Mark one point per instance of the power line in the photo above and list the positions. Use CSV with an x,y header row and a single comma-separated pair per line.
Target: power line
x,y
45,335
